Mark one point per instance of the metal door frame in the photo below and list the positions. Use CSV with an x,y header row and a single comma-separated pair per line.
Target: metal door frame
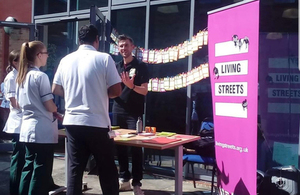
x,y
94,13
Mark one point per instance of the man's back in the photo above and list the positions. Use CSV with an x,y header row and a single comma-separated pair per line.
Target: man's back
x,y
85,75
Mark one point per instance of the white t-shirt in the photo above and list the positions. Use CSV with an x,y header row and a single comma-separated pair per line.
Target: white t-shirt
x,y
38,125
14,121
85,76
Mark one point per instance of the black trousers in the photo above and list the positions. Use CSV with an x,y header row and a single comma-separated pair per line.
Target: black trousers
x,y
129,122
82,142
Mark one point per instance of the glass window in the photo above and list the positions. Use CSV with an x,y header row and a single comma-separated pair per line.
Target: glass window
x,y
201,91
130,22
49,6
120,2
285,15
279,85
169,26
86,4
279,99
61,40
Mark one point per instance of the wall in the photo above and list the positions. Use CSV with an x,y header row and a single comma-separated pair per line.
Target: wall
x,y
21,11
17,37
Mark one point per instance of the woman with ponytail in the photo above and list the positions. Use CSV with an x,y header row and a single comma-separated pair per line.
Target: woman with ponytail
x,y
39,129
13,123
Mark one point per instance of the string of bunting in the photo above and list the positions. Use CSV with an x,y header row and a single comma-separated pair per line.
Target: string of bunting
x,y
180,80
169,54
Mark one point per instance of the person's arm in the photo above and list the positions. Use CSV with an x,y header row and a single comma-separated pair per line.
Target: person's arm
x,y
143,89
50,106
13,102
45,93
2,88
57,87
114,90
9,89
58,90
113,80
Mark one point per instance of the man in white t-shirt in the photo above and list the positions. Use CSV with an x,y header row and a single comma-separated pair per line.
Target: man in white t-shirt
x,y
87,79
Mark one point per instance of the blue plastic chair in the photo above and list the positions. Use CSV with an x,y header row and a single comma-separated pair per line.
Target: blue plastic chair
x,y
192,159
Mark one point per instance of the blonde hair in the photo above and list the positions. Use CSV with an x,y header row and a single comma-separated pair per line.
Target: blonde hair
x,y
29,51
13,56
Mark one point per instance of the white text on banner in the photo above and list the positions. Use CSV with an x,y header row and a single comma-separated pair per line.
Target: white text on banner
x,y
231,89
232,68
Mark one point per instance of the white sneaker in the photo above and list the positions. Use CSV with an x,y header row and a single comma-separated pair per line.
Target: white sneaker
x,y
137,190
124,185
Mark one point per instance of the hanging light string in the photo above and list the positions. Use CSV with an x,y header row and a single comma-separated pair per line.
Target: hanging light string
x,y
179,81
169,54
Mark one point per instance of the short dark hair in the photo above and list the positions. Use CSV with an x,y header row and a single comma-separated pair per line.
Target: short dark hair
x,y
125,37
87,34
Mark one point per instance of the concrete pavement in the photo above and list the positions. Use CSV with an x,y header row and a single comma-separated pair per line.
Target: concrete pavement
x,y
152,184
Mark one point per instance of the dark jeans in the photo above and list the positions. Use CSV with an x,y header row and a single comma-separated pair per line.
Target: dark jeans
x,y
16,164
82,142
36,174
129,122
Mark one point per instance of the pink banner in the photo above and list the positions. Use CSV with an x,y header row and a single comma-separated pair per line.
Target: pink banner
x,y
233,61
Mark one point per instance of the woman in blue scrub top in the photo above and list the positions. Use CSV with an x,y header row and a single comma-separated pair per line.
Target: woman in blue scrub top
x,y
13,123
39,128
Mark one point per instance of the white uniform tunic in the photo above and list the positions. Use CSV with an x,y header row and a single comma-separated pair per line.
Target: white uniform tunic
x,y
5,101
85,75
38,125
14,121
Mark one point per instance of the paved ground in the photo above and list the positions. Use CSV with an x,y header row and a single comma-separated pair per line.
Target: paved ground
x,y
152,184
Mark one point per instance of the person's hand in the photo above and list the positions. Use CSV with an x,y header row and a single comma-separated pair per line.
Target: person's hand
x,y
129,82
58,116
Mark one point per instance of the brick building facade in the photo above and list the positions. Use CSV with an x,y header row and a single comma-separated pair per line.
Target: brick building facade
x,y
22,11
